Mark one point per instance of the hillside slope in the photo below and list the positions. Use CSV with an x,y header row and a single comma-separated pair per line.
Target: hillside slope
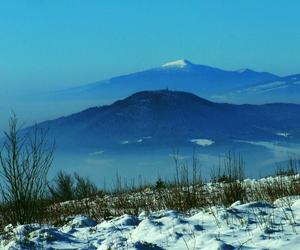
x,y
174,118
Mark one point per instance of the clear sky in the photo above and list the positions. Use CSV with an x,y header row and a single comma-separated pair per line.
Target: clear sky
x,y
50,44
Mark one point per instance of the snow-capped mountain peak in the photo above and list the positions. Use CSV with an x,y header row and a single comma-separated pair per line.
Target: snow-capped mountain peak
x,y
177,64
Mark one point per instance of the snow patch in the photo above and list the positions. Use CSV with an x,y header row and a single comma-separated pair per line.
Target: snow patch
x,y
79,221
269,86
140,140
202,142
177,64
283,134
97,153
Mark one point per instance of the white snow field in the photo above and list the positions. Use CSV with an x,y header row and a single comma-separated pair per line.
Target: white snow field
x,y
182,63
255,225
202,142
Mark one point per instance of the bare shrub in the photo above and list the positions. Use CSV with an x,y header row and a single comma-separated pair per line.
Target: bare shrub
x,y
291,168
25,160
62,188
228,181
84,187
65,187
187,191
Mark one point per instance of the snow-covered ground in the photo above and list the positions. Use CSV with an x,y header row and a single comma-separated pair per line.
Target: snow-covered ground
x,y
284,134
255,225
202,142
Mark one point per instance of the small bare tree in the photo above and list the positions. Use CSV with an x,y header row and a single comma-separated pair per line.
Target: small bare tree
x,y
25,159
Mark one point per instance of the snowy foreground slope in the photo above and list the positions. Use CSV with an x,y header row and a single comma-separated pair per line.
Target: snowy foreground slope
x,y
254,225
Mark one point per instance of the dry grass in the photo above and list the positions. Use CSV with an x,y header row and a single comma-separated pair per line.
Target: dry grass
x,y
187,191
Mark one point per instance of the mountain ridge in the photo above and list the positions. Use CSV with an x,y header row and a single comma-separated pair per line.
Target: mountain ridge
x,y
181,75
173,117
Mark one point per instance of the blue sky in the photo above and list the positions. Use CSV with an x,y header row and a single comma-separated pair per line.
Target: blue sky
x,y
58,43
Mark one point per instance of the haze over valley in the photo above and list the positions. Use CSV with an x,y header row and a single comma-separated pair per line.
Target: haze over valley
x,y
132,124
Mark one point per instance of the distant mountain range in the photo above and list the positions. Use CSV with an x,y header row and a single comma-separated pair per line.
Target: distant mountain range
x,y
240,86
181,75
284,89
173,118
